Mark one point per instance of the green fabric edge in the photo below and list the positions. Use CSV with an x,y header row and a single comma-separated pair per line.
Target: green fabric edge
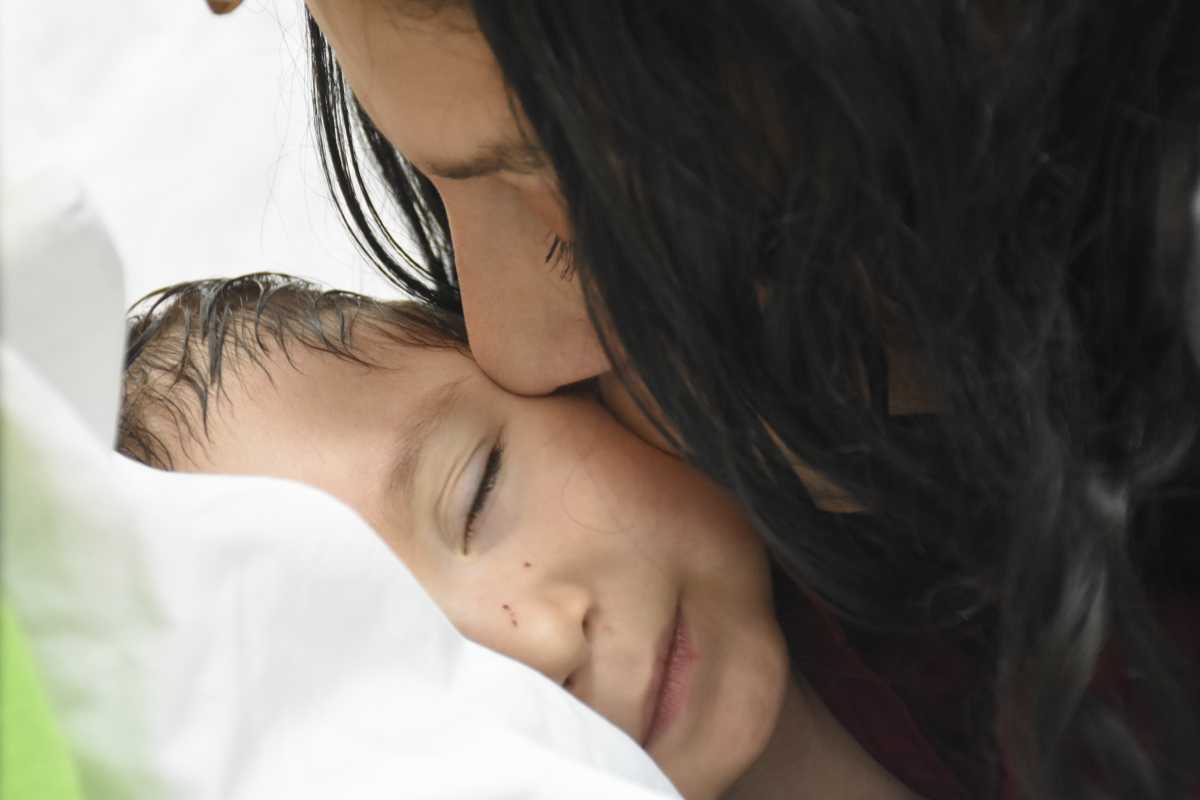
x,y
35,760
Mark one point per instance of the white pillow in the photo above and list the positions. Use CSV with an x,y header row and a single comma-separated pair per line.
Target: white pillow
x,y
62,298
220,637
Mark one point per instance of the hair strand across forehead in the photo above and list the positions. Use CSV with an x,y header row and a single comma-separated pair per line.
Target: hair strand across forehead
x,y
183,339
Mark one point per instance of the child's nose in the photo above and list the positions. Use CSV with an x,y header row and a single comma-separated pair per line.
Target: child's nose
x,y
545,628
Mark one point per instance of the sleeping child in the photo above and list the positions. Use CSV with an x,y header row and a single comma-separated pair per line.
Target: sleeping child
x,y
542,528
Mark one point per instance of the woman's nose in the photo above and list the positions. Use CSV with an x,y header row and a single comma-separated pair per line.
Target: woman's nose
x,y
547,629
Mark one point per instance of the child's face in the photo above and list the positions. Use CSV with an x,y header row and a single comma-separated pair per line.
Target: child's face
x,y
588,548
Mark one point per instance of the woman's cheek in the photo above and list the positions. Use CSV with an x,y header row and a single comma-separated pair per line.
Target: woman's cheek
x,y
541,196
624,408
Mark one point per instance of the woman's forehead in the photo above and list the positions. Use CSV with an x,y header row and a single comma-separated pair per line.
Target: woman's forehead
x,y
429,81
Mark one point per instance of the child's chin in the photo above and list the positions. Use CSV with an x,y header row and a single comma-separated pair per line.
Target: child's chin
x,y
737,729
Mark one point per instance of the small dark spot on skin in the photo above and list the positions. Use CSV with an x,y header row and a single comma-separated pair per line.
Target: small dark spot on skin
x,y
528,565
505,607
511,616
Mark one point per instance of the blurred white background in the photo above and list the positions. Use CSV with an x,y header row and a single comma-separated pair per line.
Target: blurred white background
x,y
191,134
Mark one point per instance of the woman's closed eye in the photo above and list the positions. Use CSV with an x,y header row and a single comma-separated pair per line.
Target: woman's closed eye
x,y
483,490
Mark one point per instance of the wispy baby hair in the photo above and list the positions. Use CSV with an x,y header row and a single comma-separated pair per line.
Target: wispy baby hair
x,y
182,339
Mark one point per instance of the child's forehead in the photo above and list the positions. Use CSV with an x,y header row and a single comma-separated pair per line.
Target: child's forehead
x,y
308,397
372,361
378,346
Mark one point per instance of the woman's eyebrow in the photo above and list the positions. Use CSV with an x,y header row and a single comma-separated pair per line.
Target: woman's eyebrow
x,y
413,437
504,156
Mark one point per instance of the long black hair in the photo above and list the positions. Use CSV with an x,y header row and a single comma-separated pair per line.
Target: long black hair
x,y
773,201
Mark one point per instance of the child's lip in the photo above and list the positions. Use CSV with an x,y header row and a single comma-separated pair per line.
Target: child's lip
x,y
654,689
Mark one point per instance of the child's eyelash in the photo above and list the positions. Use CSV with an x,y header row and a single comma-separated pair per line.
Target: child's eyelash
x,y
487,482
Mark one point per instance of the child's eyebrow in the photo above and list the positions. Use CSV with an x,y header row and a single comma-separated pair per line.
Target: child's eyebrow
x,y
431,413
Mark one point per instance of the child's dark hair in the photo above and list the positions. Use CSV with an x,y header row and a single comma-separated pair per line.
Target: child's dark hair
x,y
182,339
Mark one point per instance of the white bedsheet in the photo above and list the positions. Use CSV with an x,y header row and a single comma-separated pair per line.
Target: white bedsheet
x,y
227,638
189,132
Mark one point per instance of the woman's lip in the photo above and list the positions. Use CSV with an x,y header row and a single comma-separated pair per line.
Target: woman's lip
x,y
667,691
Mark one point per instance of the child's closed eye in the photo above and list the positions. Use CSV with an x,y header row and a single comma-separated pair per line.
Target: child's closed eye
x,y
483,491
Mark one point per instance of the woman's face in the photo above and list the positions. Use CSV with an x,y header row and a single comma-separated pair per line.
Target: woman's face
x,y
543,529
432,86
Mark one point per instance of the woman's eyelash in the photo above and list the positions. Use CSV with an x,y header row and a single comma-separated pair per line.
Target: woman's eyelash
x,y
487,482
562,255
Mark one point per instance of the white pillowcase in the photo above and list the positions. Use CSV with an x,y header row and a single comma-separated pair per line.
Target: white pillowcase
x,y
229,637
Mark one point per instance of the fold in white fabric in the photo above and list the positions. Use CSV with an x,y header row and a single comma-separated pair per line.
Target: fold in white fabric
x,y
225,637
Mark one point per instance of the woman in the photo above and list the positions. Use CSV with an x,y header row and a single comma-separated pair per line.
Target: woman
x,y
930,264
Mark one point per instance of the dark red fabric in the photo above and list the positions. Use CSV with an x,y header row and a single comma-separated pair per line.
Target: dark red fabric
x,y
868,707
893,695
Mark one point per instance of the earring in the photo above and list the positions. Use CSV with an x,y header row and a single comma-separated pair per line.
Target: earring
x,y
223,6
